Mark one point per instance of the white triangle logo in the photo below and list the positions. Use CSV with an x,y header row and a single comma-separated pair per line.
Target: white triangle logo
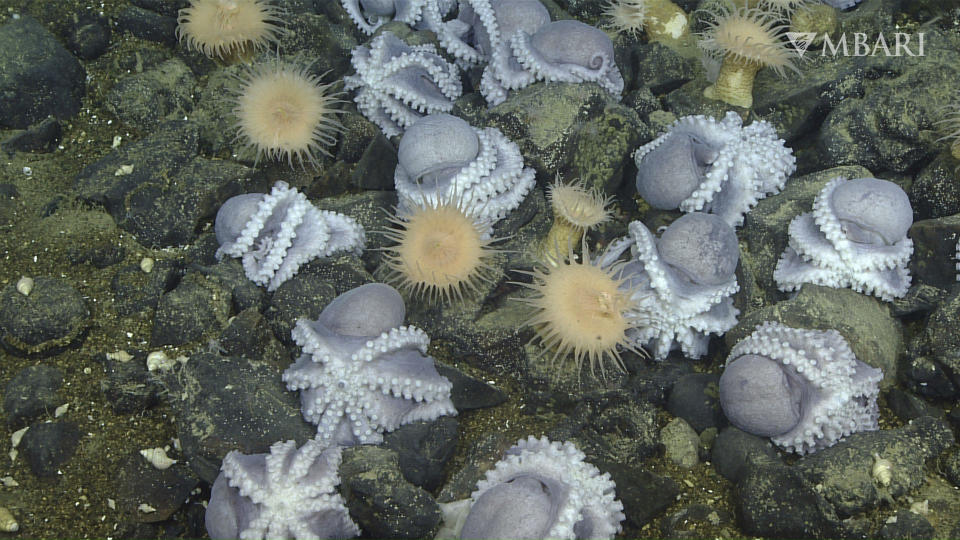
x,y
801,40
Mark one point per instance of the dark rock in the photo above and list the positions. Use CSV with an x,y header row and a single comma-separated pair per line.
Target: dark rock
x,y
644,494
140,483
935,192
376,165
777,501
38,76
30,394
169,191
297,297
170,8
100,256
697,521
48,445
661,69
653,381
328,45
143,100
227,403
8,191
359,135
148,25
905,525
695,398
468,392
52,317
908,406
844,470
735,452
942,335
128,386
196,307
380,500
135,291
612,428
247,335
934,251
89,35
41,137
423,450
919,300
922,374
950,465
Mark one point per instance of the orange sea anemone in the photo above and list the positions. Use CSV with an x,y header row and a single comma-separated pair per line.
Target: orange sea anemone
x,y
228,28
663,20
583,309
283,111
746,39
576,209
440,253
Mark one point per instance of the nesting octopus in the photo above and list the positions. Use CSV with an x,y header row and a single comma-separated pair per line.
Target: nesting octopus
x,y
721,167
444,160
277,232
856,237
362,373
804,389
684,281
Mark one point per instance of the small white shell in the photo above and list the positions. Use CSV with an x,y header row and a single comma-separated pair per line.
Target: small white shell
x,y
25,285
7,522
120,356
158,458
146,264
146,508
882,470
159,360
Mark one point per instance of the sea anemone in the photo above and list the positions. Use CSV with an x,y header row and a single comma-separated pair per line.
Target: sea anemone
x,y
576,209
583,308
440,252
662,19
746,39
950,125
283,111
228,28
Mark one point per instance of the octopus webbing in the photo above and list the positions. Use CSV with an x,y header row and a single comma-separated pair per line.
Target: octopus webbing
x,y
685,280
362,373
856,237
421,14
704,165
288,493
804,389
277,232
397,83
544,489
443,159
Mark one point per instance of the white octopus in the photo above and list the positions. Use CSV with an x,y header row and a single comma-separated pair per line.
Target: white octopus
x,y
276,233
398,83
362,373
855,237
288,493
804,389
684,282
704,165
443,159
421,14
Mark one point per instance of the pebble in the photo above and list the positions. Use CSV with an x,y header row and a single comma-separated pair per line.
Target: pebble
x,y
7,522
25,285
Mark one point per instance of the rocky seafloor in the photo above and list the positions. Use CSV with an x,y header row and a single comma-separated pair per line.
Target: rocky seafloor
x,y
118,150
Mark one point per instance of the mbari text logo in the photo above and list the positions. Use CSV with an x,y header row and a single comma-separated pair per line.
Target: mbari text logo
x,y
903,44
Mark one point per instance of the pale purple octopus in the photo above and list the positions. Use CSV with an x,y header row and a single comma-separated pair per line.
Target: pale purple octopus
x,y
704,165
842,4
542,489
277,232
362,373
397,83
483,28
420,14
684,282
560,51
288,493
443,159
804,389
855,237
